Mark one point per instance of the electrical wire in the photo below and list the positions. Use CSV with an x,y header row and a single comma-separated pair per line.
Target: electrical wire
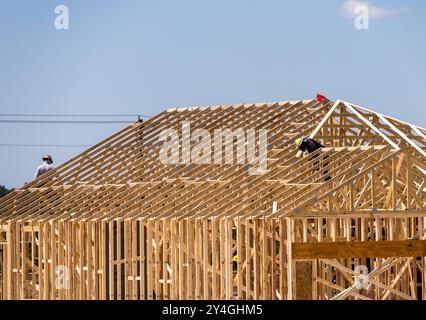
x,y
44,145
72,115
63,121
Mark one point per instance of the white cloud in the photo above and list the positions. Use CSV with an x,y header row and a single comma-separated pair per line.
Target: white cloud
x,y
349,10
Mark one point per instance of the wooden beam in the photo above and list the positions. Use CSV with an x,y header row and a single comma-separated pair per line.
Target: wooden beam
x,y
323,121
128,226
402,135
374,128
359,249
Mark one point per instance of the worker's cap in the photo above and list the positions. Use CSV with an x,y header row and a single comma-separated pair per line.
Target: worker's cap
x,y
298,141
47,157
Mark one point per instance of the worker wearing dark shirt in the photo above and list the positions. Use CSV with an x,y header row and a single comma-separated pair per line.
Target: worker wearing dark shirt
x,y
308,144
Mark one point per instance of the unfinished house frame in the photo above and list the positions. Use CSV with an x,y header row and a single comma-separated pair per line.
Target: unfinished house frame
x,y
115,222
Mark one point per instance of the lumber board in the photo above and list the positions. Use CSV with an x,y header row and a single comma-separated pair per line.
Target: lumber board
x,y
359,249
127,226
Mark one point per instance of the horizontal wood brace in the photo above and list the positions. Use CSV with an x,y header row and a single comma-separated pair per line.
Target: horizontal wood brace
x,y
359,249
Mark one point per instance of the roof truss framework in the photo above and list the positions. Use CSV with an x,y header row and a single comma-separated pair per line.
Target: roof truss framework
x,y
126,226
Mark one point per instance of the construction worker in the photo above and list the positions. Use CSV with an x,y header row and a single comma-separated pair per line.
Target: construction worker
x,y
234,262
308,144
46,166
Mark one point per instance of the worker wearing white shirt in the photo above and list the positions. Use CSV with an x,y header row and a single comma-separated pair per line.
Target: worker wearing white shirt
x,y
46,166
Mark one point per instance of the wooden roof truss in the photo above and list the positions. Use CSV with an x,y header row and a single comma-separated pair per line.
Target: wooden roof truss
x,y
127,226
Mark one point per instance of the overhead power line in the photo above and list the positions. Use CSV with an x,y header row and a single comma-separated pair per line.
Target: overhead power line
x,y
63,121
44,145
71,115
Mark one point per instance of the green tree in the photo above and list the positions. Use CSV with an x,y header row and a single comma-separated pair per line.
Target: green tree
x,y
4,191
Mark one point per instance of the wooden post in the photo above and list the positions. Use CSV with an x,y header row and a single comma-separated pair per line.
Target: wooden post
x,y
290,263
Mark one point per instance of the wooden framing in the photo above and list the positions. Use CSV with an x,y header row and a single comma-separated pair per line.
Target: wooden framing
x,y
358,249
116,223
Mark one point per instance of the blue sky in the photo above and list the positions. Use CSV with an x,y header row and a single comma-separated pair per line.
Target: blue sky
x,y
139,57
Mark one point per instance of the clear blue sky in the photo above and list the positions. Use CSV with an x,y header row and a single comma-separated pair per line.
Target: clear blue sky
x,y
139,57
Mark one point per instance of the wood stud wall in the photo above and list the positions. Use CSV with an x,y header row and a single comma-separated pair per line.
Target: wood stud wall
x,y
116,223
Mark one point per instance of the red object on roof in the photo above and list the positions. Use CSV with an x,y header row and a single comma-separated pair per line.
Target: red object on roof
x,y
321,98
